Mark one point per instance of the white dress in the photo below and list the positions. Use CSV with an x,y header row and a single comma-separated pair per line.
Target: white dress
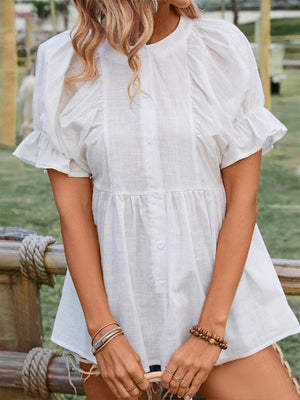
x,y
158,198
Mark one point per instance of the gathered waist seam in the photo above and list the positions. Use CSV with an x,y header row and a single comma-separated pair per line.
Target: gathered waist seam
x,y
150,193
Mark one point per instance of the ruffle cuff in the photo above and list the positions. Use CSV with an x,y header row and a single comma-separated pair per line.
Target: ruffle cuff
x,y
258,129
36,150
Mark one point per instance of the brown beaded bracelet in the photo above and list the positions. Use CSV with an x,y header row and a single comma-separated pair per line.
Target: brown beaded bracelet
x,y
210,334
210,337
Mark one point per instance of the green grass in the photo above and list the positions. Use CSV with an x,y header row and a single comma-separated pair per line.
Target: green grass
x,y
27,201
280,26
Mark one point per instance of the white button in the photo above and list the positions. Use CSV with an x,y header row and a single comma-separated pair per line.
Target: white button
x,y
160,244
155,194
149,139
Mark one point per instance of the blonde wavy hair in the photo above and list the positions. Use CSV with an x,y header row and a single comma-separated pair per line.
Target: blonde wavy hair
x,y
115,20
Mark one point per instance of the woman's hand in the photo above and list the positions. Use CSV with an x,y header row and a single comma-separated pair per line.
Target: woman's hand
x,y
192,362
121,367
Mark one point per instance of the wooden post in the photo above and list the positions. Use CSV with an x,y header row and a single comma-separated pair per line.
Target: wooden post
x,y
53,16
20,313
8,73
222,9
28,41
265,7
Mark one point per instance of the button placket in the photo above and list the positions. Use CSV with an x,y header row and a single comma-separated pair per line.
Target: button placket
x,y
149,139
154,180
160,243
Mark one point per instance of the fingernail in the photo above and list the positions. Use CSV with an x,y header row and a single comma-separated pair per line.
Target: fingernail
x,y
187,398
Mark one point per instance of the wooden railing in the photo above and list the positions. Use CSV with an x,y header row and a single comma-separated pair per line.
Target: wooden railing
x,y
21,320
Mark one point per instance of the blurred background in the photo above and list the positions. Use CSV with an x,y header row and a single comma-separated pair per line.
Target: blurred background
x,y
273,30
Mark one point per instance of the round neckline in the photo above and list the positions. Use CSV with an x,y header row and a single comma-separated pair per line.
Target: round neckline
x,y
161,47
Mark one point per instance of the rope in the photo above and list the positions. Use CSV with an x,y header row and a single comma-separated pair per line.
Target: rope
x,y
34,371
73,358
286,366
31,258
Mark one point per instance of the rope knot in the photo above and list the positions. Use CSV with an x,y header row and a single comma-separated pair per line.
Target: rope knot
x,y
34,372
31,258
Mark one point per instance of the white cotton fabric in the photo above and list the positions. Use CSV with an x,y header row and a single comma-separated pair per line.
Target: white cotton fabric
x,y
159,199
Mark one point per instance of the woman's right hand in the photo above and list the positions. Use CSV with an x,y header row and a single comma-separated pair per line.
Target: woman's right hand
x,y
121,367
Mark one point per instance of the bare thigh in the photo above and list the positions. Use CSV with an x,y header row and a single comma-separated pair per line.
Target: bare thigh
x,y
95,387
260,376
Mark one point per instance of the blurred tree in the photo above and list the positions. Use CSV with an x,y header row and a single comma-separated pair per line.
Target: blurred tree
x,y
8,73
235,6
42,8
66,13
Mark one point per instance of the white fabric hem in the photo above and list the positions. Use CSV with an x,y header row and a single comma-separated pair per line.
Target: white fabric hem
x,y
39,166
46,166
269,342
72,348
36,150
267,146
233,357
83,355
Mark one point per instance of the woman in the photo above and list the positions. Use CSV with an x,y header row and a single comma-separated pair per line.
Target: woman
x,y
164,181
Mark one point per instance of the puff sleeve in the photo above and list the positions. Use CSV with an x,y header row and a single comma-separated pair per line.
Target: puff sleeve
x,y
43,147
254,126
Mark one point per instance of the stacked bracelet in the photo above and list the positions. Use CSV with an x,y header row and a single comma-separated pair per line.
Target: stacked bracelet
x,y
100,329
106,338
210,337
106,341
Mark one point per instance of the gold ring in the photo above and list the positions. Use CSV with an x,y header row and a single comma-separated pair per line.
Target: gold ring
x,y
131,389
177,379
140,381
167,369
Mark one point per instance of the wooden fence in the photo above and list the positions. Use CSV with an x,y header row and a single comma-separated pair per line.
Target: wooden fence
x,y
21,323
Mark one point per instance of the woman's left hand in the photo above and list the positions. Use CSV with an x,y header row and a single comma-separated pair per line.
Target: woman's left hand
x,y
192,362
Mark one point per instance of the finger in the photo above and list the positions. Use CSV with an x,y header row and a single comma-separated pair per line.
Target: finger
x,y
167,374
130,384
199,378
113,388
174,384
123,393
138,376
141,382
186,383
115,381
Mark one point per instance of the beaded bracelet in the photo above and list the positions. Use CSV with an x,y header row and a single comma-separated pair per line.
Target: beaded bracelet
x,y
210,334
107,341
210,337
100,329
